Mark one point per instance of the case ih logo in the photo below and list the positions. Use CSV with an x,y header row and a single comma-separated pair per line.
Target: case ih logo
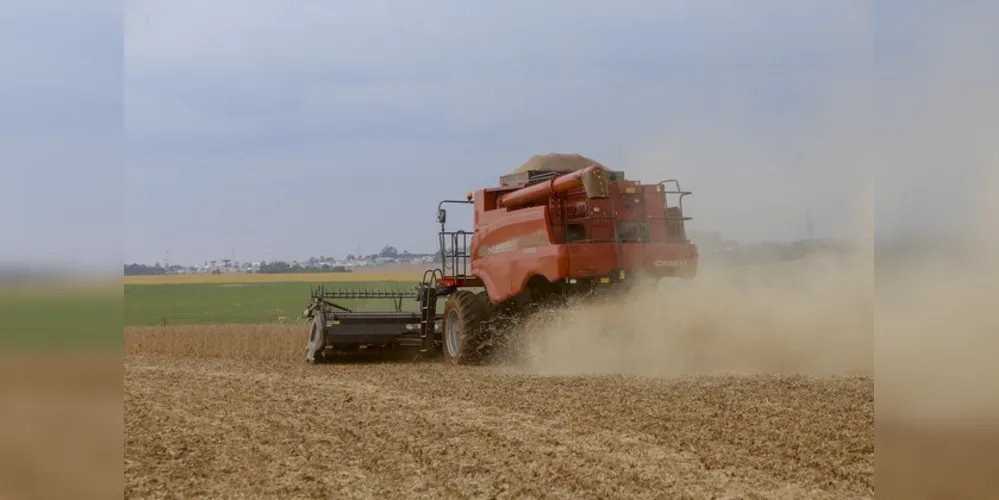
x,y
537,239
669,263
505,246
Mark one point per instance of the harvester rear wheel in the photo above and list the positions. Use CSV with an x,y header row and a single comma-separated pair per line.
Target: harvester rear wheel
x,y
464,338
315,350
487,305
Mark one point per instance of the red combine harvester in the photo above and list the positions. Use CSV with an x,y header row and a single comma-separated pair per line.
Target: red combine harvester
x,y
540,235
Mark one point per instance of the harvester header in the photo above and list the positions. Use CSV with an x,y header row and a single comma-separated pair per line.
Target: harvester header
x,y
561,225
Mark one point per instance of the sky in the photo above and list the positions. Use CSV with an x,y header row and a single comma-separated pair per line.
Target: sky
x,y
60,132
283,130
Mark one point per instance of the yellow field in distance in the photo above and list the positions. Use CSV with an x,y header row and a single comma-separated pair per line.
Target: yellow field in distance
x,y
265,278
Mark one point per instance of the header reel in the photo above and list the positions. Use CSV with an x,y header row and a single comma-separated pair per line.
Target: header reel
x,y
339,328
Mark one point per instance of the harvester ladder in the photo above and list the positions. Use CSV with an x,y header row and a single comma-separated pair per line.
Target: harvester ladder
x,y
428,309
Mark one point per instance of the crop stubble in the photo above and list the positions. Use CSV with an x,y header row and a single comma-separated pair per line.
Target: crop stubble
x,y
233,410
62,429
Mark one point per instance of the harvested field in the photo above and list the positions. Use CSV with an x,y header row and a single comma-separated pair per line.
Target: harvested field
x,y
770,395
62,430
228,411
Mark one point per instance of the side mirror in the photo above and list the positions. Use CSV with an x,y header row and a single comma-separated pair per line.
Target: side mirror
x,y
441,216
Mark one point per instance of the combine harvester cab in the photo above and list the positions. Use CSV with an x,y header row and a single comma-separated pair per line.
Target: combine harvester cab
x,y
543,234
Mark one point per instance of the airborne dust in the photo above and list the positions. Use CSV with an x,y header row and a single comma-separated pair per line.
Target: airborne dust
x,y
927,139
813,316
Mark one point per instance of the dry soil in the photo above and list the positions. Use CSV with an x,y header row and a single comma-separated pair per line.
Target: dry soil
x,y
205,417
756,384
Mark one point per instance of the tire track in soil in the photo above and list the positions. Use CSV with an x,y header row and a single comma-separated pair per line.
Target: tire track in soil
x,y
739,424
428,430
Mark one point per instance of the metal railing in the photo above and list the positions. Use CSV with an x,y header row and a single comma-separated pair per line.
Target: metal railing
x,y
674,223
455,257
678,191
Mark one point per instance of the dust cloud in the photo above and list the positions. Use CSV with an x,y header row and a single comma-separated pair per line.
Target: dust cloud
x,y
925,131
813,316
937,314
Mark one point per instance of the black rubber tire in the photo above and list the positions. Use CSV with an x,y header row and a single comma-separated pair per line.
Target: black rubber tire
x,y
487,305
315,350
469,309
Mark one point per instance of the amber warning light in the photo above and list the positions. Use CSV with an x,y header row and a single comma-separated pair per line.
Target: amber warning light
x,y
468,196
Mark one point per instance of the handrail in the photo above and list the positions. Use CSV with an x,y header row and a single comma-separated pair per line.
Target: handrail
x,y
678,191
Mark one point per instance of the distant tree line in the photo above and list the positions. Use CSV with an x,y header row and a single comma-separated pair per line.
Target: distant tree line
x,y
319,264
388,251
282,267
25,273
144,270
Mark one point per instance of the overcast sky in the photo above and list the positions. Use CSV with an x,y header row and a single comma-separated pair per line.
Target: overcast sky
x,y
60,131
296,128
